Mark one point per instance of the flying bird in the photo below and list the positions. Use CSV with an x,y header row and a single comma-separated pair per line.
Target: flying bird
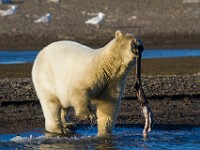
x,y
96,20
9,11
44,19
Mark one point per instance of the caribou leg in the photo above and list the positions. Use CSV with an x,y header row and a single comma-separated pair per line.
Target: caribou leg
x,y
148,114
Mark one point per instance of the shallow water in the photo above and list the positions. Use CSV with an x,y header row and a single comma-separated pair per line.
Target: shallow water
x,y
123,138
18,57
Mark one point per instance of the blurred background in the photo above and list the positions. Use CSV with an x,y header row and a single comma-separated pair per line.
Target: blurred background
x,y
159,23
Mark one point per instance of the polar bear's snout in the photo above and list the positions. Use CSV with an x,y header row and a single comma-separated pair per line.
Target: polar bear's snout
x,y
138,46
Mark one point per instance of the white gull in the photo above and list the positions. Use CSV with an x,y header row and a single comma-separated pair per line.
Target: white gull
x,y
44,19
96,20
9,11
55,1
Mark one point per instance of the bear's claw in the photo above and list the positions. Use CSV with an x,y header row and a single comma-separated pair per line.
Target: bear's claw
x,y
70,125
92,118
66,131
62,131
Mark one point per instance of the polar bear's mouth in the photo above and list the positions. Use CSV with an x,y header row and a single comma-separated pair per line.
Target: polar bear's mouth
x,y
135,51
138,47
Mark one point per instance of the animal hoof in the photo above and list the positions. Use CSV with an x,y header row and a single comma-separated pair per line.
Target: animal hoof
x,y
145,134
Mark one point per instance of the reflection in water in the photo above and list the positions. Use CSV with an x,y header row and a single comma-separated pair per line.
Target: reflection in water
x,y
85,143
122,138
82,139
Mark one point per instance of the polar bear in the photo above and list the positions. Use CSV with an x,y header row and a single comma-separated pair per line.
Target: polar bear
x,y
68,74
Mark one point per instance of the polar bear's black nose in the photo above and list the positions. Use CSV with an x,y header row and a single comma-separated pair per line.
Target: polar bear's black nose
x,y
139,45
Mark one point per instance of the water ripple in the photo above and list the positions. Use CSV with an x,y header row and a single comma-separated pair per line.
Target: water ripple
x,y
122,138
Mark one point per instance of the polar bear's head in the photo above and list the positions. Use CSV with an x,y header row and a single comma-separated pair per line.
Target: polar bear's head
x,y
128,43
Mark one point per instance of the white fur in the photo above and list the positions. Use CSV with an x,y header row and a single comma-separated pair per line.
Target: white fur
x,y
68,74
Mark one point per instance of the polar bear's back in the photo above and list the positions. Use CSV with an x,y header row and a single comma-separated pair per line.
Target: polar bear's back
x,y
61,63
69,49
64,54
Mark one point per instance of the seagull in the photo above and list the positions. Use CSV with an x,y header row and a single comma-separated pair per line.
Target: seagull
x,y
55,1
96,20
9,11
44,19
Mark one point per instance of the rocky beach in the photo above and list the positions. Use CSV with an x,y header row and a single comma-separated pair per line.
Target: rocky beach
x,y
172,85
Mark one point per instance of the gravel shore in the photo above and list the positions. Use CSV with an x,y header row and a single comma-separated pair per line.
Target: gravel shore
x,y
155,87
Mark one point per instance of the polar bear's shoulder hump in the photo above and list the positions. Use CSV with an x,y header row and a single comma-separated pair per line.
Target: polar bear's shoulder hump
x,y
69,45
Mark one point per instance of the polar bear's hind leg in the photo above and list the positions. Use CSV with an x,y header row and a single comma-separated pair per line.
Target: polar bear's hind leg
x,y
52,112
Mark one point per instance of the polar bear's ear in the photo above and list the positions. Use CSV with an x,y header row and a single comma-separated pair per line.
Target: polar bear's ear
x,y
118,34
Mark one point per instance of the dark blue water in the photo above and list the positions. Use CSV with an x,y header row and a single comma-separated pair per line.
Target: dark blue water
x,y
123,138
17,57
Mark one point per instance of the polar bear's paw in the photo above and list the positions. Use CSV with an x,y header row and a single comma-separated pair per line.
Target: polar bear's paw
x,y
61,132
92,118
83,114
66,131
58,130
86,113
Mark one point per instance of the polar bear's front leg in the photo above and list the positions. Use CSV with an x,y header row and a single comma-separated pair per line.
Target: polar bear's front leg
x,y
107,112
